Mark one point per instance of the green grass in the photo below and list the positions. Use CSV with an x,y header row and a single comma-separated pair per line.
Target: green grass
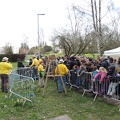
x,y
54,104
92,55
14,64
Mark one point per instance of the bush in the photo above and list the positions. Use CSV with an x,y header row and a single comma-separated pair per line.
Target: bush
x,y
13,57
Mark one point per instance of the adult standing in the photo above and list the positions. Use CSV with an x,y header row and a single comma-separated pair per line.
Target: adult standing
x,y
30,62
5,67
111,61
61,70
20,66
118,64
105,63
35,63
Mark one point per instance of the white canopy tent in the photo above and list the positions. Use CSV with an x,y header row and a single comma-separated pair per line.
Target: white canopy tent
x,y
115,53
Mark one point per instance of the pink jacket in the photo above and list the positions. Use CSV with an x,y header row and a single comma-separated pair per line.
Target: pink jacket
x,y
102,74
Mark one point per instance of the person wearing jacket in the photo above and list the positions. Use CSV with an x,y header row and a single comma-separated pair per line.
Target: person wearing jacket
x,y
5,67
99,80
61,70
105,63
113,81
41,71
20,66
80,77
34,66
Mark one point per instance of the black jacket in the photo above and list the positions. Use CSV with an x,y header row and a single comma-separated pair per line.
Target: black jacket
x,y
111,73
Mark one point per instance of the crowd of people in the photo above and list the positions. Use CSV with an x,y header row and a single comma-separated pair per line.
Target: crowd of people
x,y
101,69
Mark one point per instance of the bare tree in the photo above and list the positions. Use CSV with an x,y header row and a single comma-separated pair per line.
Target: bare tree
x,y
8,49
24,48
87,29
96,16
74,41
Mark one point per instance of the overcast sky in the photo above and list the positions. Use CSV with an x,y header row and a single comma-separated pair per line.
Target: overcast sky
x,y
18,19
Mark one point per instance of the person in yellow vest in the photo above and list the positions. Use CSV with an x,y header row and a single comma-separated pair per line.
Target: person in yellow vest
x,y
5,67
40,60
41,71
61,70
34,66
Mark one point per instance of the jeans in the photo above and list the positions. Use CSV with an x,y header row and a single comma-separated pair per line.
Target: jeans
x,y
35,73
60,88
40,80
111,89
78,82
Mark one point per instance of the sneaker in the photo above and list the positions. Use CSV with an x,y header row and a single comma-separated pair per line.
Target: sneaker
x,y
108,96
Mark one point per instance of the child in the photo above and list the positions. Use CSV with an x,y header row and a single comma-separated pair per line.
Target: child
x,y
102,74
111,76
76,70
95,71
80,77
41,70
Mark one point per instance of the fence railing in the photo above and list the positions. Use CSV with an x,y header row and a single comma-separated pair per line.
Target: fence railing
x,y
107,89
22,84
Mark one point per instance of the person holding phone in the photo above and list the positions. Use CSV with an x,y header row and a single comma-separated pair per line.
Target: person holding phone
x,y
5,67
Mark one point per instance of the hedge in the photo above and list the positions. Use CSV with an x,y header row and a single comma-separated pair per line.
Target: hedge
x,y
13,57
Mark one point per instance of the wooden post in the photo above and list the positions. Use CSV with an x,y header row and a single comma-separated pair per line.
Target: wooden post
x,y
51,62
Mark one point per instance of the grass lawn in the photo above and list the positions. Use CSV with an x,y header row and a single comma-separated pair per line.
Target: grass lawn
x,y
54,104
14,64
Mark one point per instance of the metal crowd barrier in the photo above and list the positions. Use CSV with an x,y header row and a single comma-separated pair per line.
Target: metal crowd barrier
x,y
112,88
106,89
82,81
22,84
87,82
72,79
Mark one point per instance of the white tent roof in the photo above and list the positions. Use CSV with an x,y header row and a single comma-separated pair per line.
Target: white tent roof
x,y
115,51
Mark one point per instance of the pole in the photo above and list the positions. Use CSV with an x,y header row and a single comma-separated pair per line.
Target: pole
x,y
38,35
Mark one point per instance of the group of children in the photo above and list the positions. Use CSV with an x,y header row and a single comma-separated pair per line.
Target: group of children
x,y
101,81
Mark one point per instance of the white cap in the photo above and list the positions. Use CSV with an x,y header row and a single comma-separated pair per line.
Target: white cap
x,y
5,59
61,61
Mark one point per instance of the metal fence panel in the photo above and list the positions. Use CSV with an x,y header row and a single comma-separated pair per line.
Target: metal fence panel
x,y
22,84
86,82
